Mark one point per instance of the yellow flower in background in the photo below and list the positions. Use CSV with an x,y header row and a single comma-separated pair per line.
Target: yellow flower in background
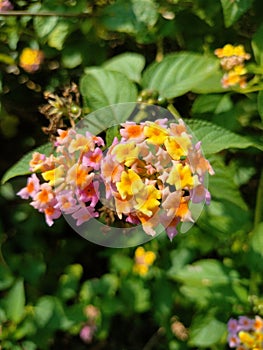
x,y
229,50
31,59
143,260
232,60
235,77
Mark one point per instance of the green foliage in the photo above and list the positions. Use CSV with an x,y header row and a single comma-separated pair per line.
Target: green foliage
x,y
178,73
157,52
102,87
234,9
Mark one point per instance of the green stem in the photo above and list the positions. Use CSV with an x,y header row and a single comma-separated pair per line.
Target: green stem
x,y
259,202
174,111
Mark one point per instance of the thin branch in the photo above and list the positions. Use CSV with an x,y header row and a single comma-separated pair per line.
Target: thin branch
x,y
43,14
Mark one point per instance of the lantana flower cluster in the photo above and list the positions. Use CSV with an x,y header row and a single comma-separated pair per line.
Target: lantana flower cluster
x,y
69,179
142,261
31,59
245,333
232,59
148,176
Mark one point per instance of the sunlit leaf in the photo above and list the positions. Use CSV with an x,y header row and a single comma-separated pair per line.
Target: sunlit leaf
x,y
15,301
130,64
44,25
6,278
101,88
207,272
179,73
58,36
215,138
206,331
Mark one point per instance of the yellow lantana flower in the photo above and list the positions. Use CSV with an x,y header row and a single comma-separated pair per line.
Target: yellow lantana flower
x,y
130,184
155,133
177,146
147,200
181,176
143,260
55,176
126,152
30,59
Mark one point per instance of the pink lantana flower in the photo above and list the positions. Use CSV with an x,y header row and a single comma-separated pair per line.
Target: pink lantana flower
x,y
31,188
93,158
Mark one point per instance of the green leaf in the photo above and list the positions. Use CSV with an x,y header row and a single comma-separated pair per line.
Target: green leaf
x,y
256,241
215,103
255,251
130,64
206,331
71,56
58,35
44,25
215,138
49,313
145,12
234,9
135,296
179,73
111,133
162,299
69,281
130,16
15,302
211,84
100,88
225,180
209,272
260,104
257,45
6,278
44,310
6,59
22,166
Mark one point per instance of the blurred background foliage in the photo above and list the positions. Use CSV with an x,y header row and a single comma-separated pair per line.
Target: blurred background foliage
x,y
58,290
